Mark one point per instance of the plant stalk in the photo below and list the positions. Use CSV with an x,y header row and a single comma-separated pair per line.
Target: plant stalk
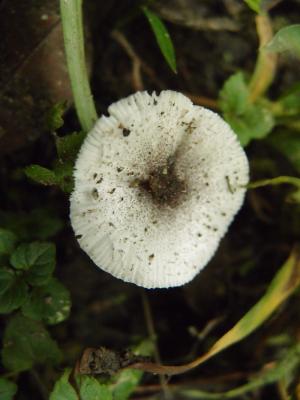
x,y
71,16
265,67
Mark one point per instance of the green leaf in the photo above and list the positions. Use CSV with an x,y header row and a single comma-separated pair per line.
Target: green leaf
x,y
54,119
63,390
7,277
7,389
27,342
279,180
162,37
39,223
286,39
91,389
293,197
281,287
256,123
7,241
249,121
234,95
126,383
64,176
255,5
50,303
38,258
68,146
288,143
288,105
40,174
14,296
285,367
127,380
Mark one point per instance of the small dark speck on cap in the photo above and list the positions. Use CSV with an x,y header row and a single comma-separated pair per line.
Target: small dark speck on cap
x,y
95,194
126,132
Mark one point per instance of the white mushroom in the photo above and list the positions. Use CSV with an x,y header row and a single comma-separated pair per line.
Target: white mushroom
x,y
156,185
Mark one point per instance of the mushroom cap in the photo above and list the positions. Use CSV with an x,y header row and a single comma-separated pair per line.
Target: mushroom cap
x,y
131,227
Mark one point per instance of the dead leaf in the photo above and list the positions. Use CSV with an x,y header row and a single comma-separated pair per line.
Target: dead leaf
x,y
33,72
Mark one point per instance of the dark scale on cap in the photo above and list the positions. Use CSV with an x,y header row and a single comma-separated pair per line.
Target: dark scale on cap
x,y
125,132
95,194
164,186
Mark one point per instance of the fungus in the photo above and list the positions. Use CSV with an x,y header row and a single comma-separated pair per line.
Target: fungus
x,y
169,189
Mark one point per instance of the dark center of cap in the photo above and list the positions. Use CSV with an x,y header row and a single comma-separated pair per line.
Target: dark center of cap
x,y
164,186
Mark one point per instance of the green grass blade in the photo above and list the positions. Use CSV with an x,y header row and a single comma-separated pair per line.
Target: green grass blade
x,y
162,37
255,5
282,286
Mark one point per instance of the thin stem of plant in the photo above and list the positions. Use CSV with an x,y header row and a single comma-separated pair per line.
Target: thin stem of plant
x,y
138,64
292,180
265,67
71,15
153,337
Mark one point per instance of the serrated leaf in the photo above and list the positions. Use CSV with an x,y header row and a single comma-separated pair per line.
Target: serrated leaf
x,y
50,303
92,389
26,343
126,383
256,123
162,37
255,5
63,390
7,389
7,277
41,174
14,296
68,146
249,121
234,95
286,39
38,258
64,176
7,241
54,119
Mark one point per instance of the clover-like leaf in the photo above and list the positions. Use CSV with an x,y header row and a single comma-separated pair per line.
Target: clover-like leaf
x,y
68,146
7,277
249,121
37,258
40,174
26,343
49,303
92,389
13,290
7,389
63,390
14,296
7,241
